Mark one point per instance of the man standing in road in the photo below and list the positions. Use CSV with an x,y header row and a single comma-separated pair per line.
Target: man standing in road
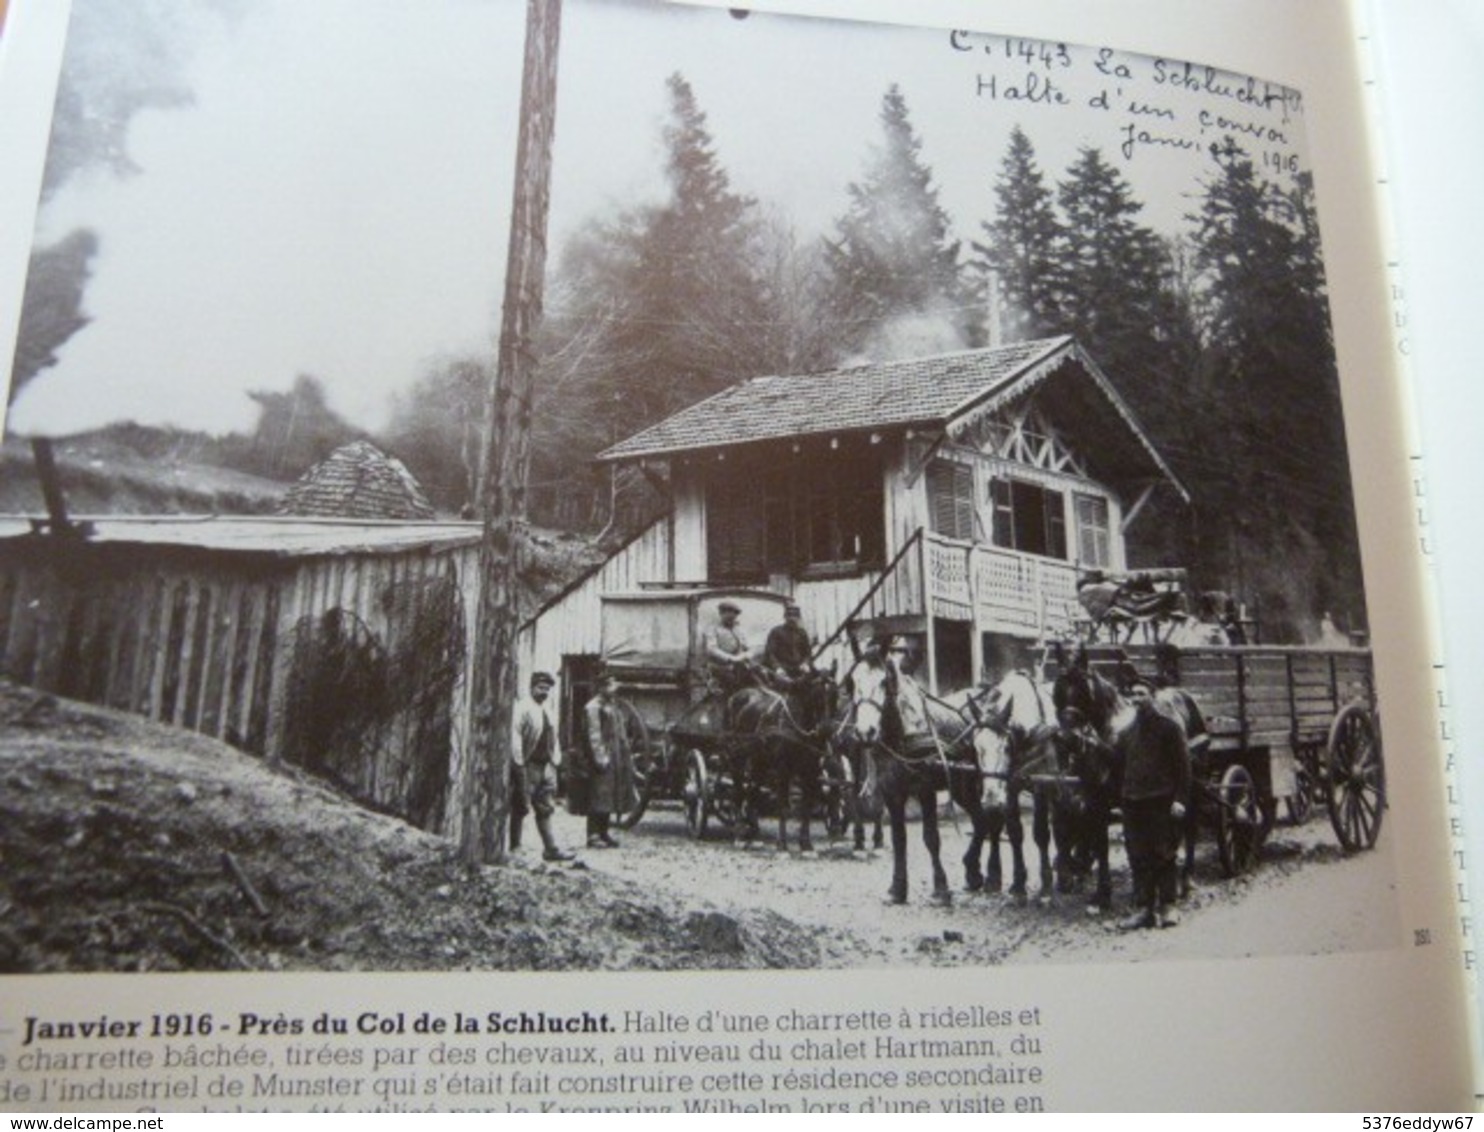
x,y
1156,786
535,756
612,789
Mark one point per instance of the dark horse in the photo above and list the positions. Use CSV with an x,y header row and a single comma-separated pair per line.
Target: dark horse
x,y
784,737
1020,715
919,746
1096,721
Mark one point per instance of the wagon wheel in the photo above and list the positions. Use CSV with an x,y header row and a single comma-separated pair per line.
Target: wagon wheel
x,y
649,764
696,795
837,788
1239,820
1356,782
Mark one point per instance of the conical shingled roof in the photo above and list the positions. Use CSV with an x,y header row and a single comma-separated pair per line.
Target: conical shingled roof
x,y
358,481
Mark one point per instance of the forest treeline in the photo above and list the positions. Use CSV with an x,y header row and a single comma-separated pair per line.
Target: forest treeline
x,y
1217,335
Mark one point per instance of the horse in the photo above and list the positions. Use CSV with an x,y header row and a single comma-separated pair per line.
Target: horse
x,y
1095,720
919,745
1020,714
784,735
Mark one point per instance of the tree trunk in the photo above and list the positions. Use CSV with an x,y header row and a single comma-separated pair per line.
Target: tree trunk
x,y
483,789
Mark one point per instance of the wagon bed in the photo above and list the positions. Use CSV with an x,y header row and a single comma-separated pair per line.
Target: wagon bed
x,y
1310,711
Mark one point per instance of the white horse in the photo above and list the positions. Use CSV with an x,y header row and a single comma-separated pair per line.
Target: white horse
x,y
920,745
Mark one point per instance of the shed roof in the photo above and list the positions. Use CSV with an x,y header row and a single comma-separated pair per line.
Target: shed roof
x,y
276,536
944,391
358,481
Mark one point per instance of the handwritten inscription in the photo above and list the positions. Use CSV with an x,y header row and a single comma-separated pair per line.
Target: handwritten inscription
x,y
1155,104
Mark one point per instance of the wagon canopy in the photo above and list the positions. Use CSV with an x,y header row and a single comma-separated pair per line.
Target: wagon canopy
x,y
662,628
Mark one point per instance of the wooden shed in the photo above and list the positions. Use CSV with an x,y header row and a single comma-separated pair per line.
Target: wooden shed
x,y
338,646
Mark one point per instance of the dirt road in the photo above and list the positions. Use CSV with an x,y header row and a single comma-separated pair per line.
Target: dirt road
x,y
1306,897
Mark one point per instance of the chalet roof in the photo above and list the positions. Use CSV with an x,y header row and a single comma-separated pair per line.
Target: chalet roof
x,y
940,392
358,481
277,536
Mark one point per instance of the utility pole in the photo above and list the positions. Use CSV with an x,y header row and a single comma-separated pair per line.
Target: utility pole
x,y
482,786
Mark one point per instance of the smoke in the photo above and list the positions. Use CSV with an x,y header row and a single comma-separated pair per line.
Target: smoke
x,y
918,334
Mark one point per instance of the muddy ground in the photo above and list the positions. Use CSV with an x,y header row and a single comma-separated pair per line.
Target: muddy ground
x,y
126,845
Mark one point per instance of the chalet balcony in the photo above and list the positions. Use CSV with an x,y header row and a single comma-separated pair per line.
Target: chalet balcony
x,y
1001,591
985,588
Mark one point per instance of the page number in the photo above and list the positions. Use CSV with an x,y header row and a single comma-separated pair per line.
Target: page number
x,y
1421,937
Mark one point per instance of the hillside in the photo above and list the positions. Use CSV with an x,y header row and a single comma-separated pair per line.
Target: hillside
x,y
122,843
106,474
134,470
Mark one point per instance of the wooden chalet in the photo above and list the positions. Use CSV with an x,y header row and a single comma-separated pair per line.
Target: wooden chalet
x,y
340,646
953,499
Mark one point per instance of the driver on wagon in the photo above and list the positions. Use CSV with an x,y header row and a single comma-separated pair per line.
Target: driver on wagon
x,y
788,650
728,657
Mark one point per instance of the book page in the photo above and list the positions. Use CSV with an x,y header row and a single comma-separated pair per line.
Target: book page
x,y
1145,347
1426,163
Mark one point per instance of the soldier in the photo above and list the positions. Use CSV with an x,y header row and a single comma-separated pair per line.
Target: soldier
x,y
788,650
611,789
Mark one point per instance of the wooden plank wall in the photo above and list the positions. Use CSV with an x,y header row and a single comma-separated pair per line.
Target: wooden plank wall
x,y
573,625
187,644
394,774
203,641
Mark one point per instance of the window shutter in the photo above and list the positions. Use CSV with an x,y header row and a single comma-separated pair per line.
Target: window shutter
x,y
951,499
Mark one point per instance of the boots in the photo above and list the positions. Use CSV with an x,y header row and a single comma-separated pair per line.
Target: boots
x,y
553,852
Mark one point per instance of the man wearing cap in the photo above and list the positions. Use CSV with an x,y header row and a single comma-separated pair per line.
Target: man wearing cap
x,y
788,650
612,788
1156,784
535,755
725,648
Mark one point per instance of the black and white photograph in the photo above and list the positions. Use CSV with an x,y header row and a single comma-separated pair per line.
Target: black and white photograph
x,y
593,485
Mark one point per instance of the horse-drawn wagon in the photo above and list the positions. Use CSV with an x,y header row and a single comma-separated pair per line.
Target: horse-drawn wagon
x,y
1281,723
688,746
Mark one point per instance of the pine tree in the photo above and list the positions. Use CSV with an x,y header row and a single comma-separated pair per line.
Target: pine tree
x,y
1274,389
1110,266
1020,250
893,259
654,310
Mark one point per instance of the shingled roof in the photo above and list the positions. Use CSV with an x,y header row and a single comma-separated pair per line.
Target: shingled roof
x,y
877,395
358,481
942,391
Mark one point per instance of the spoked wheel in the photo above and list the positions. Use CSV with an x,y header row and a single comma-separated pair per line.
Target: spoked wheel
x,y
1239,821
646,762
696,795
837,788
1356,782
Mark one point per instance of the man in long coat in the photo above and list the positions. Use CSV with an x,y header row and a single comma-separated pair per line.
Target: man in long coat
x,y
611,789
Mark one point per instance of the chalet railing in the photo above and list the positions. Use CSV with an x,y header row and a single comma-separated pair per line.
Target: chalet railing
x,y
998,589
